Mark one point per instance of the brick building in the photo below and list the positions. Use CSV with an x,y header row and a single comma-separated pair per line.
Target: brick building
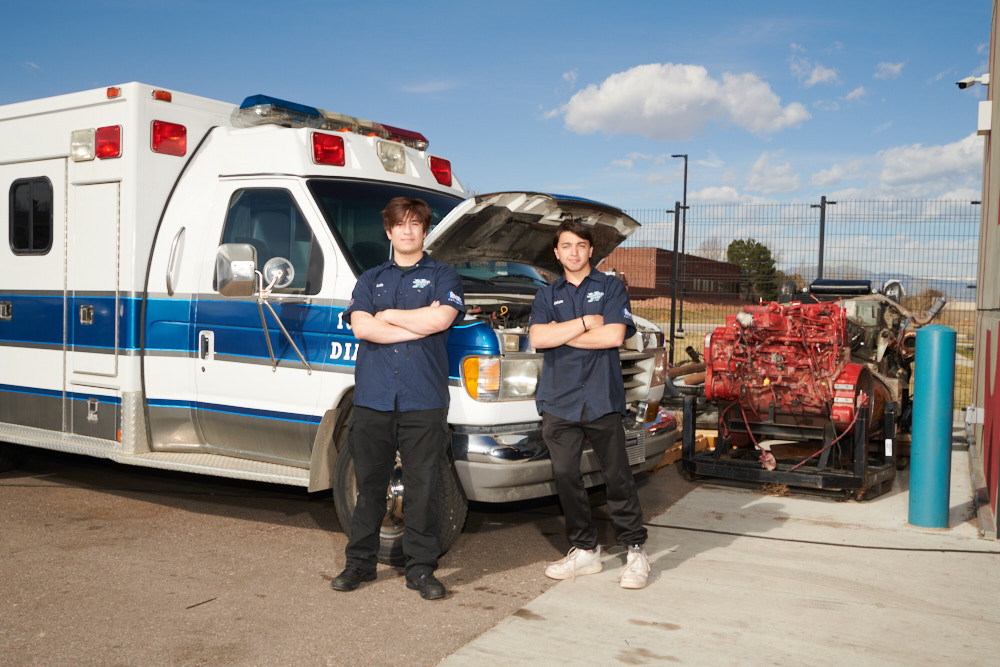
x,y
648,273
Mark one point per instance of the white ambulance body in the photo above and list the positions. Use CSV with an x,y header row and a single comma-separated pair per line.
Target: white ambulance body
x,y
133,325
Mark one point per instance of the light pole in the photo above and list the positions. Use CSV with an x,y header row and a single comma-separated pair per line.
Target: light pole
x,y
684,208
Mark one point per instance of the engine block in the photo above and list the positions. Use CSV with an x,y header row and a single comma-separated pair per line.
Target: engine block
x,y
786,360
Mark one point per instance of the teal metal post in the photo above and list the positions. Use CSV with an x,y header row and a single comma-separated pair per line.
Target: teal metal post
x,y
933,410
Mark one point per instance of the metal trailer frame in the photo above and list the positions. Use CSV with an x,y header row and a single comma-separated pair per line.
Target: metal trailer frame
x,y
869,477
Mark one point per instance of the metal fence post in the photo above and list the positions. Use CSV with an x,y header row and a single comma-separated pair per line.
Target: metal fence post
x,y
673,284
822,232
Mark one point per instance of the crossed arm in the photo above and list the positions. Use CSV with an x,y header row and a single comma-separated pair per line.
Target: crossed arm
x,y
597,336
395,325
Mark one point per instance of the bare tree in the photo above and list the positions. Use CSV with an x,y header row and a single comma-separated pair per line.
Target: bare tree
x,y
713,248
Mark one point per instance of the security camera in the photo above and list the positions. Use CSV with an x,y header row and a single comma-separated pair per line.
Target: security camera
x,y
973,80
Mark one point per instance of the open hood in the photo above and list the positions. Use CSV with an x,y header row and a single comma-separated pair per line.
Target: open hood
x,y
518,227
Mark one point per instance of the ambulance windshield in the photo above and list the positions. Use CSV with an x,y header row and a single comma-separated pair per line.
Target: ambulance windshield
x,y
353,211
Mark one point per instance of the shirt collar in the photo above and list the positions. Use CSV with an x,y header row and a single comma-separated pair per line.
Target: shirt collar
x,y
562,282
424,259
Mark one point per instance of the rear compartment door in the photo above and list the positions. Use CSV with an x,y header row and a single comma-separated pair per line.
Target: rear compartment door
x,y
32,290
93,282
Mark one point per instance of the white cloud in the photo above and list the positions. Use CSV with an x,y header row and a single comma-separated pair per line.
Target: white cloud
x,y
821,74
857,94
673,102
31,67
837,173
717,195
808,73
570,78
915,170
889,70
771,178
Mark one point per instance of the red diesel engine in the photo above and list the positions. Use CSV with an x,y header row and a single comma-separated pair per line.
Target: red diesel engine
x,y
787,364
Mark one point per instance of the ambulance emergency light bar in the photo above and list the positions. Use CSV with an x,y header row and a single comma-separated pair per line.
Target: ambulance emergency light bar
x,y
265,110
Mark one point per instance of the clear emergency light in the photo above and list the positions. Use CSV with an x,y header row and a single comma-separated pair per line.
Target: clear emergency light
x,y
104,142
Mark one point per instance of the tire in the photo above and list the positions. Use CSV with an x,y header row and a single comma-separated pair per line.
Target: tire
x,y
452,504
11,457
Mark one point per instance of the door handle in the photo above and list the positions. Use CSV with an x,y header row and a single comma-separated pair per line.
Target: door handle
x,y
206,345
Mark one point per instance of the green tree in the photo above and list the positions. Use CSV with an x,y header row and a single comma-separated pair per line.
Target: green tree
x,y
759,275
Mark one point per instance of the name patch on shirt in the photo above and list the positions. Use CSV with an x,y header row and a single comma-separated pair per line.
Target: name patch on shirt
x,y
594,296
556,303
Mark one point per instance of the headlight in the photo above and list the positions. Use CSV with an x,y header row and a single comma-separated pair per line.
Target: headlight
x,y
501,378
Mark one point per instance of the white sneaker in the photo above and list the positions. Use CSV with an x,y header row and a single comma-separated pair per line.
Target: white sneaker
x,y
636,570
576,562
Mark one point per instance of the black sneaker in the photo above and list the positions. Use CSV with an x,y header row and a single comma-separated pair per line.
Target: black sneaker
x,y
351,578
430,588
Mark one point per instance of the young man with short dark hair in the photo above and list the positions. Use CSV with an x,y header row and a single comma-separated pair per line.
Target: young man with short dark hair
x,y
401,312
580,320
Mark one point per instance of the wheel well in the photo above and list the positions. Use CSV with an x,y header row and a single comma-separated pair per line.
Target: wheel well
x,y
327,443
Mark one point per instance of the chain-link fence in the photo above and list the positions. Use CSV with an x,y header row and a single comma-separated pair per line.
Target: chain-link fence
x,y
732,254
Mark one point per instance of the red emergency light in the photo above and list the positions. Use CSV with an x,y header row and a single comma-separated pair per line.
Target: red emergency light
x,y
441,169
168,138
109,141
328,149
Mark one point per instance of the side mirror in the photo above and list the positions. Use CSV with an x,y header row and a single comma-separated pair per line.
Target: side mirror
x,y
234,269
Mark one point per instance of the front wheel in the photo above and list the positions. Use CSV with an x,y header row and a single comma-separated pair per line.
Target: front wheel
x,y
451,502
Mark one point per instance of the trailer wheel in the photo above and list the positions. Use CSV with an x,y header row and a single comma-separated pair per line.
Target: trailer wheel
x,y
11,456
452,505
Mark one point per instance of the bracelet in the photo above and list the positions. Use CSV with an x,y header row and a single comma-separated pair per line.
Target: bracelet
x,y
584,323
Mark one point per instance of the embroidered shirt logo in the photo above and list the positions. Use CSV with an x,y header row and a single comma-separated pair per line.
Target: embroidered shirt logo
x,y
594,296
628,315
379,285
454,297
556,303
420,283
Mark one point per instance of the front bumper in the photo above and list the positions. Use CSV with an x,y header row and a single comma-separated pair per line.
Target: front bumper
x,y
507,466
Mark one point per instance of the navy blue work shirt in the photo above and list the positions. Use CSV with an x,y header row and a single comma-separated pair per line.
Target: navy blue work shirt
x,y
573,378
411,375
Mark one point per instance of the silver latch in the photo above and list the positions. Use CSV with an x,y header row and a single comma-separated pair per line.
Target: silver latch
x,y
92,405
86,314
6,311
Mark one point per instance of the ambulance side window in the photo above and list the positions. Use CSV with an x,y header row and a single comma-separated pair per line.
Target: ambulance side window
x,y
270,221
30,224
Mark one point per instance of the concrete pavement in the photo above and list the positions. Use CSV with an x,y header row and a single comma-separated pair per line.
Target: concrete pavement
x,y
741,578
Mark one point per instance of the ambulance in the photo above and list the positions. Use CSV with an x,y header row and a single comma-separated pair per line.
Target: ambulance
x,y
177,269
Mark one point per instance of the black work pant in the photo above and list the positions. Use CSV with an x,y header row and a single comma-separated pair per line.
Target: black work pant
x,y
565,441
421,437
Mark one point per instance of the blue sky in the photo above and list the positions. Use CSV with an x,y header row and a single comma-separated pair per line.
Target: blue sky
x,y
773,102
